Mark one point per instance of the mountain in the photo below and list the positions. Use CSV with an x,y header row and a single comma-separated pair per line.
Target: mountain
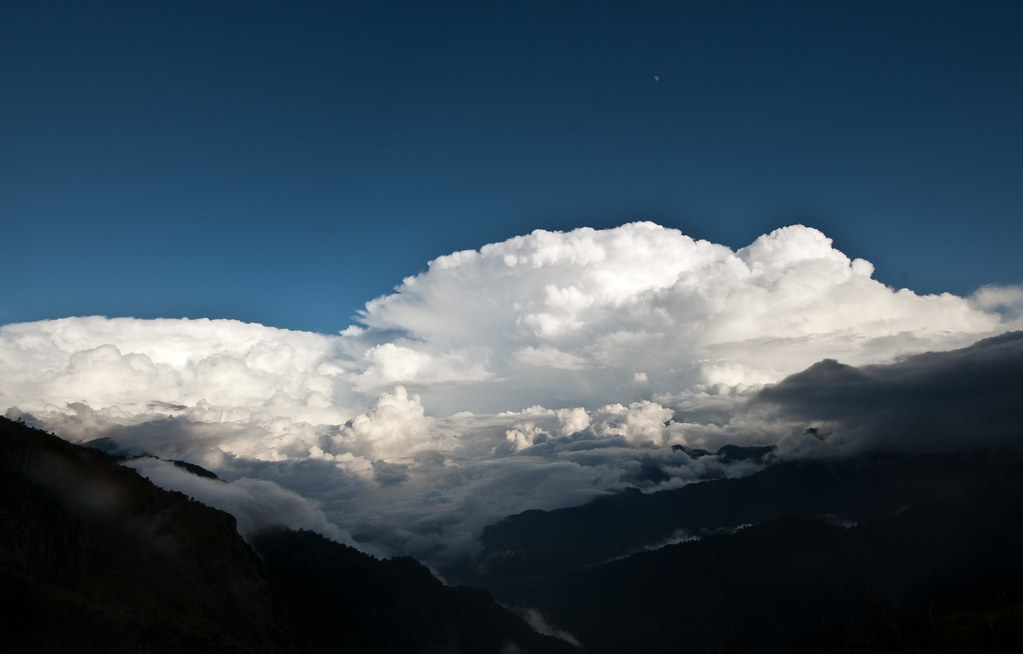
x,y
794,582
801,554
903,498
94,557
347,601
535,544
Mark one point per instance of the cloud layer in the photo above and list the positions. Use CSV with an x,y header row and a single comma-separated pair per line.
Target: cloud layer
x,y
531,373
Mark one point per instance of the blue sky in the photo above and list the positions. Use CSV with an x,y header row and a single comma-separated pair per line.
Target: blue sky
x,y
284,163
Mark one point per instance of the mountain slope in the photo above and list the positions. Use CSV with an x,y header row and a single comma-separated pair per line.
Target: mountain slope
x,y
96,558
535,544
935,533
791,583
347,601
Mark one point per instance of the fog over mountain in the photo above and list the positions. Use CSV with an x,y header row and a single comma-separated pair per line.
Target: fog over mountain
x,y
538,372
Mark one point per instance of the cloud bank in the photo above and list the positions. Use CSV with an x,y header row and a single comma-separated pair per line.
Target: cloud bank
x,y
532,373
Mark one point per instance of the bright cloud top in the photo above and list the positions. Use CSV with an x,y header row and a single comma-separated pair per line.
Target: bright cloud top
x,y
530,373
589,317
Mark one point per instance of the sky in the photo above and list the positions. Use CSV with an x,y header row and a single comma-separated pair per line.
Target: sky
x,y
397,270
284,163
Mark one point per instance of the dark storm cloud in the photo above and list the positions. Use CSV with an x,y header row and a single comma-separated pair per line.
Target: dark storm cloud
x,y
939,400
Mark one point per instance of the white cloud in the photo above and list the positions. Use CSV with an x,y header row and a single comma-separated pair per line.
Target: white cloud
x,y
396,427
532,373
641,423
127,362
1005,300
575,317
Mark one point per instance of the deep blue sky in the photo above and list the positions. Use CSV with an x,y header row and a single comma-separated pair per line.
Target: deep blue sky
x,y
285,162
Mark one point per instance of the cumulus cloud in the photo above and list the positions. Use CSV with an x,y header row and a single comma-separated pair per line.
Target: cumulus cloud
x,y
531,373
396,427
1006,300
128,363
594,317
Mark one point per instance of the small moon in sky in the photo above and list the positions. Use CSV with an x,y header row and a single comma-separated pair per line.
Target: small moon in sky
x,y
657,78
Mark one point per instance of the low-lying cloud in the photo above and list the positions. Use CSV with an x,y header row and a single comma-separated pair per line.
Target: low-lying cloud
x,y
532,373
255,503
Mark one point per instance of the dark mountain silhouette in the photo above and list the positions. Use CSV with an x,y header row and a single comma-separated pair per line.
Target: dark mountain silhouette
x,y
535,544
733,453
196,470
347,601
794,582
93,557
801,554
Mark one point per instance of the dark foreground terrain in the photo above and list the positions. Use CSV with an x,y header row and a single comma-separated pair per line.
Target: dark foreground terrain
x,y
801,556
878,554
